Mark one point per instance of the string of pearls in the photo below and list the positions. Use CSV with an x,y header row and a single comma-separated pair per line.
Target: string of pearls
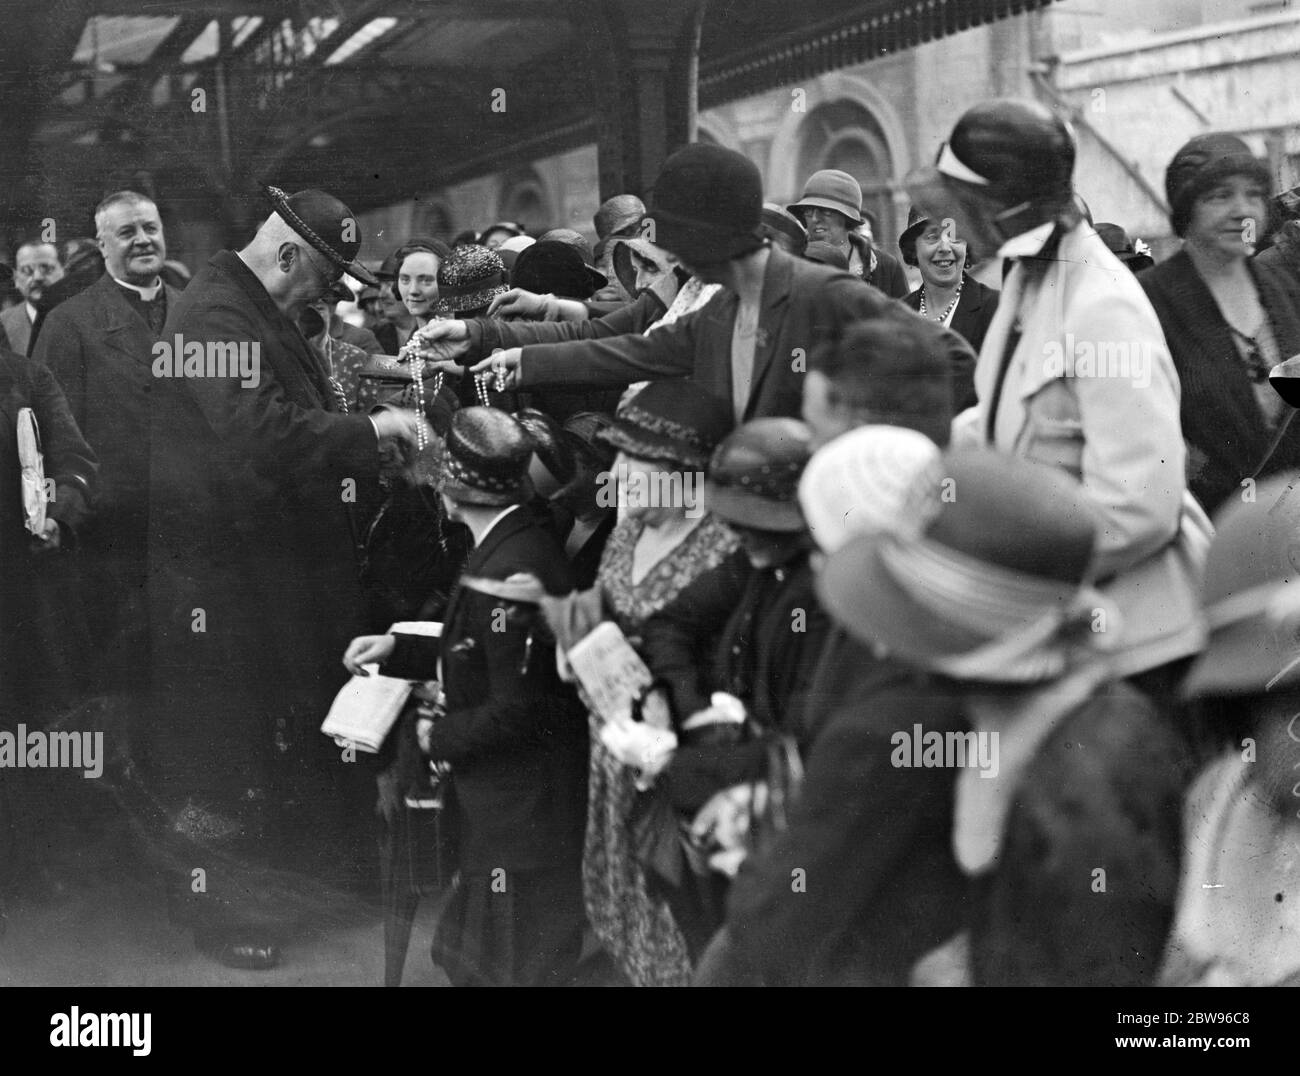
x,y
411,355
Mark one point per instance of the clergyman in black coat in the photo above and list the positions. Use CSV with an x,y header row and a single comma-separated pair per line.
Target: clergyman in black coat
x,y
253,586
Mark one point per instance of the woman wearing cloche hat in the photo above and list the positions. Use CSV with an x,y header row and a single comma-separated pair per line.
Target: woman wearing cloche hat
x,y
663,436
1074,372
1228,318
1068,785
831,210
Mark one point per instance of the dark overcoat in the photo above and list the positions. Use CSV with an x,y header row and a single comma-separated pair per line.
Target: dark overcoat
x,y
515,735
40,632
253,586
99,346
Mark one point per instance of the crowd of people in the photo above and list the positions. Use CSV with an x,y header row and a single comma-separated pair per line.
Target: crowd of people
x,y
806,613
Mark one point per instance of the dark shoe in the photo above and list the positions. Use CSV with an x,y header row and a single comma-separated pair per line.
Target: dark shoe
x,y
237,951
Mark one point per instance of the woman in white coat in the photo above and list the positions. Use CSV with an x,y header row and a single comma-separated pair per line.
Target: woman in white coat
x,y
1074,372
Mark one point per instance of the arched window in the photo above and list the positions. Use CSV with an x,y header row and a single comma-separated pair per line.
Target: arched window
x,y
844,135
432,219
523,199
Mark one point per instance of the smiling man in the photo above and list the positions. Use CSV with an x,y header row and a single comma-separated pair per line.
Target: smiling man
x,y
98,346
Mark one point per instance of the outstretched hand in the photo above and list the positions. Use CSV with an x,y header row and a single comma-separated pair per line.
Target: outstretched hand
x,y
518,303
443,342
503,366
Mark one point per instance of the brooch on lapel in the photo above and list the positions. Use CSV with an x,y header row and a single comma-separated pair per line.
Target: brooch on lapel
x,y
761,338
464,646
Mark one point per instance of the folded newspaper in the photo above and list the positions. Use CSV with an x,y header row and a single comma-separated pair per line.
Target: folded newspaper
x,y
365,710
610,671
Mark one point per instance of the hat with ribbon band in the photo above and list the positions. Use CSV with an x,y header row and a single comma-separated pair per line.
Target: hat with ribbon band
x,y
327,224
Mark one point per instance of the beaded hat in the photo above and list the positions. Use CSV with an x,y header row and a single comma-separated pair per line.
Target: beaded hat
x,y
327,224
673,422
487,456
753,477
469,277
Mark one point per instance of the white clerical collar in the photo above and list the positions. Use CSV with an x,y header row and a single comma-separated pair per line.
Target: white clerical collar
x,y
495,520
148,294
1027,244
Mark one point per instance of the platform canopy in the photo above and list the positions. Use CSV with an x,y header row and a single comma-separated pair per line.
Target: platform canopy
x,y
383,98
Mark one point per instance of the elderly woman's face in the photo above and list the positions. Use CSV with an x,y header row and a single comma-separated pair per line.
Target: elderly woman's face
x,y
826,225
646,489
417,283
940,255
1230,218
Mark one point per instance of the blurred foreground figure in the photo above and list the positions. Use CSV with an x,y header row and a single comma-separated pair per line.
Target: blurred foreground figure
x,y
1238,921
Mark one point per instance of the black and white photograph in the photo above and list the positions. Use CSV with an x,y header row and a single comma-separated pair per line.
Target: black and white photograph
x,y
657,493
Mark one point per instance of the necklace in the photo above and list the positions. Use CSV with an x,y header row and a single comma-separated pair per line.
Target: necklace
x,y
336,386
481,388
410,353
949,308
497,375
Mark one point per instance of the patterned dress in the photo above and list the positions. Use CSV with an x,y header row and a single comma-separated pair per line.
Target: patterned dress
x,y
637,930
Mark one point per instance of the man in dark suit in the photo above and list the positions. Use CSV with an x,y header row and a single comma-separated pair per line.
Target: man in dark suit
x,y
99,346
253,587
40,646
515,736
750,344
42,637
36,267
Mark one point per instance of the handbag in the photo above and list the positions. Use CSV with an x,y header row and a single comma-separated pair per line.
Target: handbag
x,y
676,869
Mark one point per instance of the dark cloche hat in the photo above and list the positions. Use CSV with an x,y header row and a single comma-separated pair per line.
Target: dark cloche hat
x,y
327,224
487,456
708,205
1203,162
753,477
673,422
1017,152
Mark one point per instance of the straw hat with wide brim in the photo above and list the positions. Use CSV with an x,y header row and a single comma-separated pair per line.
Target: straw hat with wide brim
x,y
991,590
